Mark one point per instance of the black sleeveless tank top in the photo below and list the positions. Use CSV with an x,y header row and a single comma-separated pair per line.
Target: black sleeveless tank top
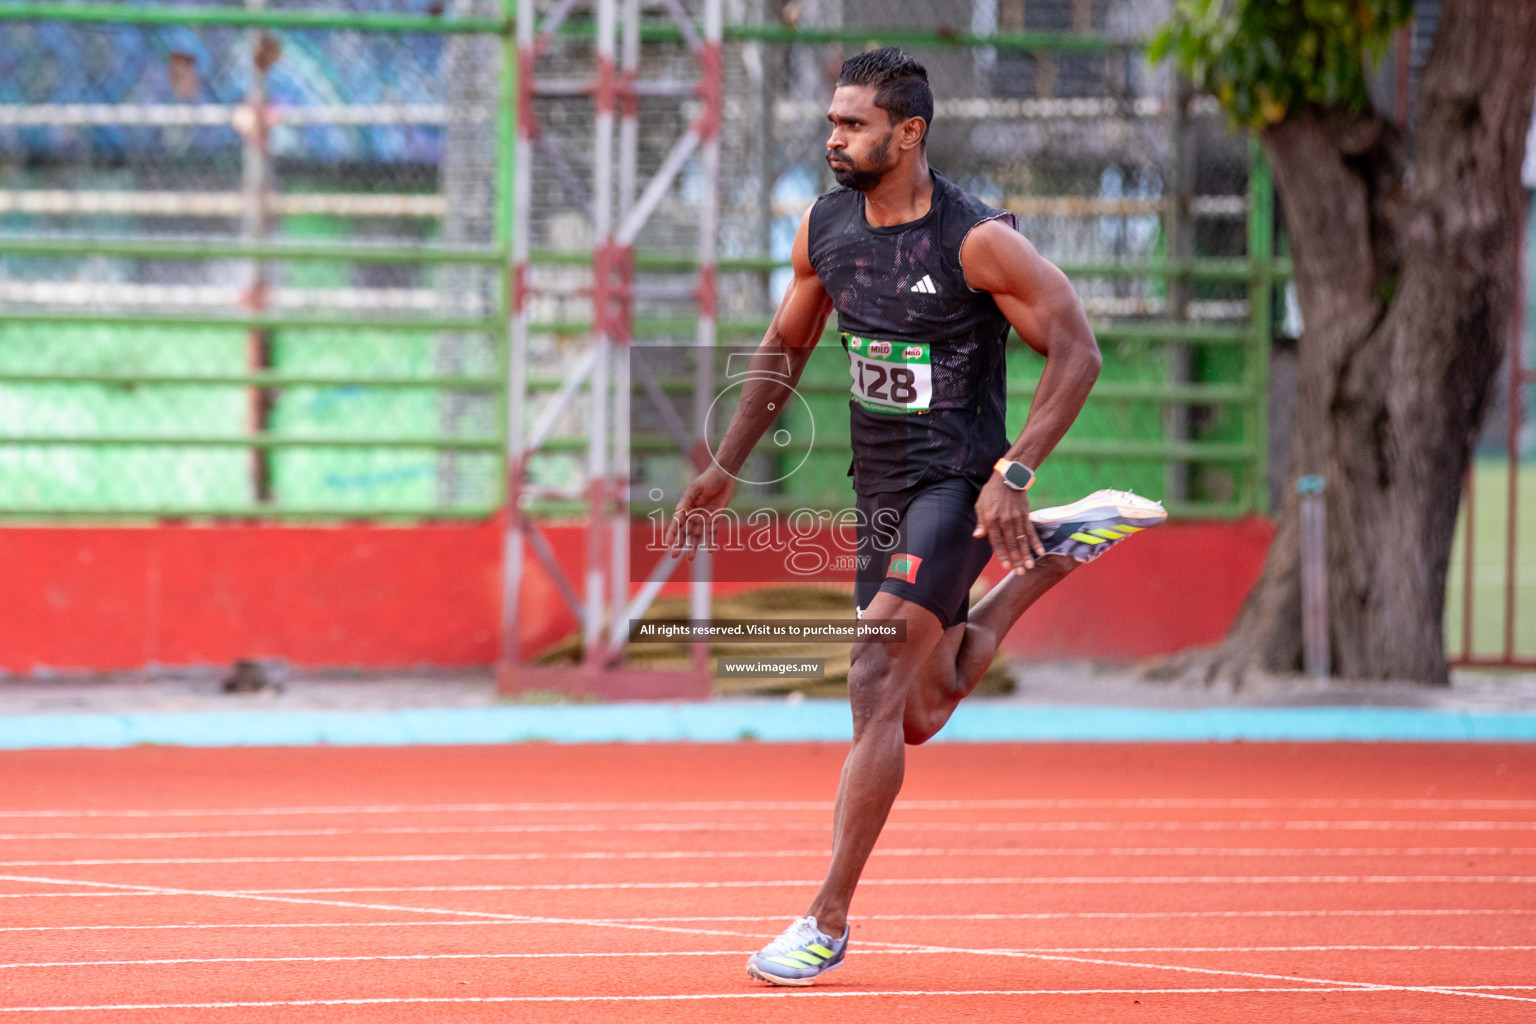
x,y
925,350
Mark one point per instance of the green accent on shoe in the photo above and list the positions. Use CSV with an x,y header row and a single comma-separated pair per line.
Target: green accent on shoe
x,y
799,956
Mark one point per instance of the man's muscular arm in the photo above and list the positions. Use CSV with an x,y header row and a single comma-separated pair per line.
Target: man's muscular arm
x,y
1039,302
795,330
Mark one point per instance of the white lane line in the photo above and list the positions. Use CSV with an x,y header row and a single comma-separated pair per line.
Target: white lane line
x,y
777,827
1354,947
481,808
812,883
1121,915
1187,969
599,923
1205,852
585,807
350,904
424,830
182,961
419,858
1112,915
1323,825
1231,825
806,993
1348,947
63,895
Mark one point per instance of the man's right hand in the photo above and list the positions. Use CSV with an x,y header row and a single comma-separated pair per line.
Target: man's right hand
x,y
710,492
797,326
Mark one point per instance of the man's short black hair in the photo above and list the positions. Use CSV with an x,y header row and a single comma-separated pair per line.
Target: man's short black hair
x,y
900,82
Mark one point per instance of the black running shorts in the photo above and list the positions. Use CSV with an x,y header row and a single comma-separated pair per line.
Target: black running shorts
x,y
916,543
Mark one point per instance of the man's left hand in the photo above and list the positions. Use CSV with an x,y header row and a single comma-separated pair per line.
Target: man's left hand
x,y
1002,516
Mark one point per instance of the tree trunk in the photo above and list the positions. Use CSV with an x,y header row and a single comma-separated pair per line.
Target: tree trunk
x,y
1406,294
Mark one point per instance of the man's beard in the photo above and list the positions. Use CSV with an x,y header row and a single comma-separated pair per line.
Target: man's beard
x,y
862,179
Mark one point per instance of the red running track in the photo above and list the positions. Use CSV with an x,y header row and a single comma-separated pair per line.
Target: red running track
x,y
1242,882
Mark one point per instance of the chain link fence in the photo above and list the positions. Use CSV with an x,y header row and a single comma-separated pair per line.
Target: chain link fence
x,y
250,268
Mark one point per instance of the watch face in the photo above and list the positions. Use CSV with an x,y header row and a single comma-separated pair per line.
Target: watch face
x,y
1019,476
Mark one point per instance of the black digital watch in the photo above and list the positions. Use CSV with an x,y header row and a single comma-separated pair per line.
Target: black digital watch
x,y
1015,474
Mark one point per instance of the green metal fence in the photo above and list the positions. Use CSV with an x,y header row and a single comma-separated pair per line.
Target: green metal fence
x,y
329,334
274,318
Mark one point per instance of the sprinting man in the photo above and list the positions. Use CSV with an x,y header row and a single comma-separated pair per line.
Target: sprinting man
x,y
926,280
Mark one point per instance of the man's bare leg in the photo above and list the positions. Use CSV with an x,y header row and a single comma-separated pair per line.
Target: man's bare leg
x,y
965,652
879,679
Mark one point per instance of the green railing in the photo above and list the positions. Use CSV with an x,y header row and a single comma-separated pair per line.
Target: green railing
x,y
149,413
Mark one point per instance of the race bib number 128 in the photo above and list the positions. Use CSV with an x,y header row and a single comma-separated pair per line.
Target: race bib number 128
x,y
889,376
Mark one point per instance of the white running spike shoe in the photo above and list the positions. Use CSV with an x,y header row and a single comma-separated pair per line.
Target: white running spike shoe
x,y
1090,526
798,957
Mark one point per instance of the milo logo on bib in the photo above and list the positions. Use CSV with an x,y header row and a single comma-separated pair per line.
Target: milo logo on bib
x,y
889,376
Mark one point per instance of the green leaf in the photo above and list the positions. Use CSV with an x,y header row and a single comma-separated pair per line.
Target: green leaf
x,y
1268,58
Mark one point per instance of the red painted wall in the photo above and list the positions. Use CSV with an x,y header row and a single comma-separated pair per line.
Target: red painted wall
x,y
1177,586
92,598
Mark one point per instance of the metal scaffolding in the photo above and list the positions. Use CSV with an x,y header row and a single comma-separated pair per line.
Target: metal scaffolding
x,y
616,210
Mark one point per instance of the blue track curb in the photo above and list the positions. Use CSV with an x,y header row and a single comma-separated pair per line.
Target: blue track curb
x,y
774,721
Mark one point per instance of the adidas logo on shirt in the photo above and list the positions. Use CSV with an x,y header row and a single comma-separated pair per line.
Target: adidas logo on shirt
x,y
925,286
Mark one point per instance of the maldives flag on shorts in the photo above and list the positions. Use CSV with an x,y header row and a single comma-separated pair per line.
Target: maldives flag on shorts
x,y
904,567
